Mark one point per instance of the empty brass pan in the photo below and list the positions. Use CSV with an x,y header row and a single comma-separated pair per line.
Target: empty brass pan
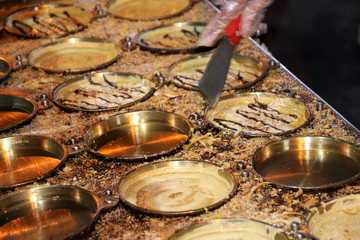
x,y
138,135
28,158
50,212
5,68
308,162
177,187
147,9
15,110
74,55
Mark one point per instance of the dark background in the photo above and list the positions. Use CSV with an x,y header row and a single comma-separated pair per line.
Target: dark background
x,y
319,41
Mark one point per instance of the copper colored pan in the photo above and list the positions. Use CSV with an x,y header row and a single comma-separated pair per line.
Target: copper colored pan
x,y
51,212
308,162
137,136
28,158
177,187
15,110
5,68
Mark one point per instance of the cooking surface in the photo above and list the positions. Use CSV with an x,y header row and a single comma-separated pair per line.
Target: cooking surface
x,y
254,199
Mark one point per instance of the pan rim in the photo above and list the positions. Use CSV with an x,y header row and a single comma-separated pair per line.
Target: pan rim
x,y
70,41
47,174
247,134
57,186
320,187
73,80
178,13
41,7
141,157
185,212
202,55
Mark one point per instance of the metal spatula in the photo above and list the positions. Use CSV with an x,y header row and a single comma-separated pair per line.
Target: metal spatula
x,y
213,80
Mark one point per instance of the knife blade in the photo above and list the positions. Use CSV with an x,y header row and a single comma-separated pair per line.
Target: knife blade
x,y
213,80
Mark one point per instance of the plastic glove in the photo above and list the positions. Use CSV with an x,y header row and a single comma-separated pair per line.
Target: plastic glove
x,y
252,12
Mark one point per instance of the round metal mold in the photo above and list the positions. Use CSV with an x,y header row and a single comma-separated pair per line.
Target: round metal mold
x,y
259,114
308,162
103,91
5,68
75,55
138,135
334,219
177,187
28,158
244,71
15,110
47,21
148,9
230,228
175,38
50,212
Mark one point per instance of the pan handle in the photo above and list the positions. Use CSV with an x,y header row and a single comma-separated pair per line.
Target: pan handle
x,y
107,201
19,63
73,147
44,102
200,122
298,232
98,12
160,79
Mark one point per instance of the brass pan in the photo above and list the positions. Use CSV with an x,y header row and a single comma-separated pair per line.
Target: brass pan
x,y
244,71
74,55
176,38
50,212
177,187
5,68
257,114
103,91
230,228
50,20
15,110
138,135
334,219
147,9
28,158
308,162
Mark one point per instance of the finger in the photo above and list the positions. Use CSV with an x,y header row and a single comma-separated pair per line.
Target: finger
x,y
214,29
252,15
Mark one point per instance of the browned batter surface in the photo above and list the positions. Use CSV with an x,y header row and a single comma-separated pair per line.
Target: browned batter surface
x,y
254,199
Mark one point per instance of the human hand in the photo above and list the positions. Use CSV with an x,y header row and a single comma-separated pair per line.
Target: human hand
x,y
251,11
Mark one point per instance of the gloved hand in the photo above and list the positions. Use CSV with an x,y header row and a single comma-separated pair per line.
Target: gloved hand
x,y
252,12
